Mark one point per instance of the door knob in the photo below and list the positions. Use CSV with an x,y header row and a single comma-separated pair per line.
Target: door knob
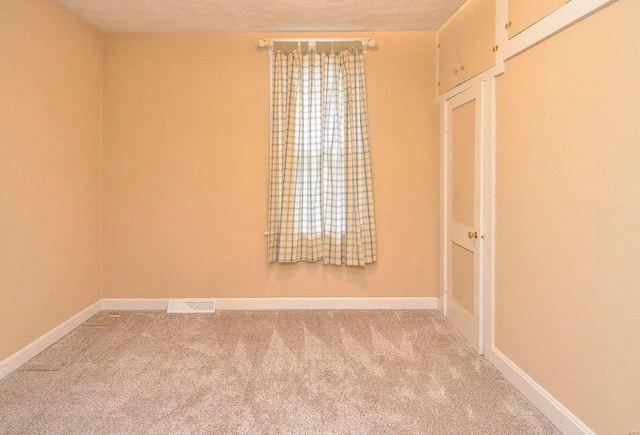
x,y
473,235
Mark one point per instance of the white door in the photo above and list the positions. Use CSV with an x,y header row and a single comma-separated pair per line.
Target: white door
x,y
463,214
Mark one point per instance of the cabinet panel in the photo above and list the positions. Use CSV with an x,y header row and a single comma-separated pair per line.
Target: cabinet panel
x,y
524,13
478,36
466,44
449,55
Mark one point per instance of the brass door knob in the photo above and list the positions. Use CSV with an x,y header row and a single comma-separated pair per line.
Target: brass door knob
x,y
455,70
461,67
473,235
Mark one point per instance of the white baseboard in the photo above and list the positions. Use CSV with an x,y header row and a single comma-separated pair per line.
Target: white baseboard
x,y
13,362
135,304
346,303
555,411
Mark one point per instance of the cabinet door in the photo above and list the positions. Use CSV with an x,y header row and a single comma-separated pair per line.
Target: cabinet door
x,y
478,36
449,55
524,13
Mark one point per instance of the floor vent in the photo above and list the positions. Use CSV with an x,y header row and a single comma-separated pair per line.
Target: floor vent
x,y
192,306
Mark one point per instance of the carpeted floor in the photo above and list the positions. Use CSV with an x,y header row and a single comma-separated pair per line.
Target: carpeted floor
x,y
264,372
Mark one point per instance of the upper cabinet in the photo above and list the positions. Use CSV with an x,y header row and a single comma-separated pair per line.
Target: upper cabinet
x,y
466,45
478,37
449,55
524,13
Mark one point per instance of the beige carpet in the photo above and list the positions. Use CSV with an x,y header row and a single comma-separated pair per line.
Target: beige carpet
x,y
271,372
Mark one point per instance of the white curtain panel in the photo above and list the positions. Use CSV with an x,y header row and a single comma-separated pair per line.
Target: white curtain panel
x,y
321,196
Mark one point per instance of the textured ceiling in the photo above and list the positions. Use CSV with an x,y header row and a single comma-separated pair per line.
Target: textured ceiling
x,y
263,15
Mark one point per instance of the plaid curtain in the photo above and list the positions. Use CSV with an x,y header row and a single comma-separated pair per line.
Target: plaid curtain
x,y
321,196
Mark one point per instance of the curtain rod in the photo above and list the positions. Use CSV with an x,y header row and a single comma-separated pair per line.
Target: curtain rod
x,y
268,42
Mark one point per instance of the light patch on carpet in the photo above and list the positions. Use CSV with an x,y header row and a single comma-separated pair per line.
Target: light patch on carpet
x,y
383,347
241,359
279,359
437,391
360,354
455,372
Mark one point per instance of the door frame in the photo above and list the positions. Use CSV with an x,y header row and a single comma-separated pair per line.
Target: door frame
x,y
482,92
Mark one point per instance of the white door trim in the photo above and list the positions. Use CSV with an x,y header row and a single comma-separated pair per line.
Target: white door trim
x,y
480,92
489,199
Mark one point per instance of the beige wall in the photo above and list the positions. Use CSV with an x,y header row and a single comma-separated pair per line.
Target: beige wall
x,y
185,187
186,170
568,207
50,134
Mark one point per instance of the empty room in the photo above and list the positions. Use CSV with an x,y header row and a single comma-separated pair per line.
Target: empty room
x,y
319,217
